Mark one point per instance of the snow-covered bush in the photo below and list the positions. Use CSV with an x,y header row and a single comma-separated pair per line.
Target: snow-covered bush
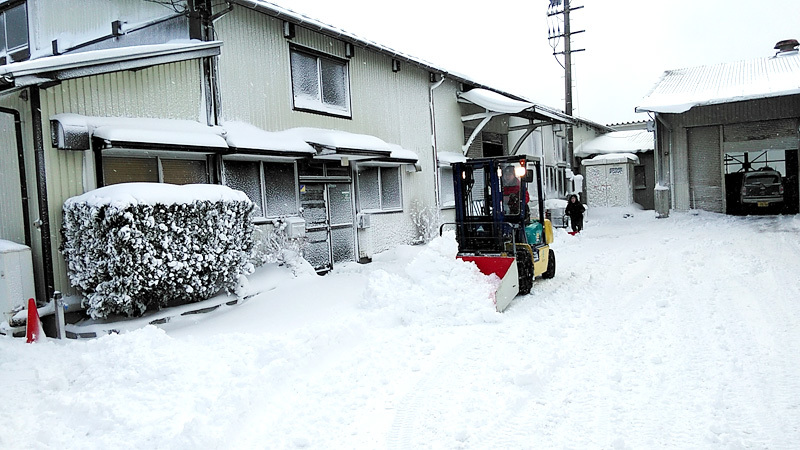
x,y
426,221
138,246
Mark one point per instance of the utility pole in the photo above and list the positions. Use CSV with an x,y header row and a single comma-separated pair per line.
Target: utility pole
x,y
554,35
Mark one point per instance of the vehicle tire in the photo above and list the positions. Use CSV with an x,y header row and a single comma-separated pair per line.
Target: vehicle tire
x,y
525,269
551,266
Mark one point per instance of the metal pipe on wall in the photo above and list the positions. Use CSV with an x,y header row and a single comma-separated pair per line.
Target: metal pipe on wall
x,y
41,184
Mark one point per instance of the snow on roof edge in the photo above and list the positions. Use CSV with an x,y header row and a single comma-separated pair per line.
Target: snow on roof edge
x,y
494,101
611,158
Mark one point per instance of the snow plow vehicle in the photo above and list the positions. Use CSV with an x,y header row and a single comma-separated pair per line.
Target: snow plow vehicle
x,y
493,223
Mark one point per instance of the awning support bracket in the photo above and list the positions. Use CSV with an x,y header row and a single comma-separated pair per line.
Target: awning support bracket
x,y
487,117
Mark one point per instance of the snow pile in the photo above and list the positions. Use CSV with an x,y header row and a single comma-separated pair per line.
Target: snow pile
x,y
434,287
127,251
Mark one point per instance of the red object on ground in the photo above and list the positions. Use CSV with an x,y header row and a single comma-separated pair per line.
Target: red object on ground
x,y
33,329
573,233
488,265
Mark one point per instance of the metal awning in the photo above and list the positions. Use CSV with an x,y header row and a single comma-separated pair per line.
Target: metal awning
x,y
74,65
74,131
246,139
445,159
497,103
237,139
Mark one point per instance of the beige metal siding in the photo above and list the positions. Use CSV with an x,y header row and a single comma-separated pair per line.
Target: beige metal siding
x,y
254,77
171,91
705,169
449,129
255,83
13,101
255,86
74,24
11,219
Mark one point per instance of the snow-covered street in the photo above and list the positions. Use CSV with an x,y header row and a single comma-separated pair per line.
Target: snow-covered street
x,y
655,333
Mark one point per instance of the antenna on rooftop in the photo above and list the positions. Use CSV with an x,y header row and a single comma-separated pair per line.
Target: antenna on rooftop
x,y
554,34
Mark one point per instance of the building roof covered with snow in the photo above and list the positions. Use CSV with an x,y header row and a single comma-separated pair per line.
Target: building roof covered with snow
x,y
680,90
628,141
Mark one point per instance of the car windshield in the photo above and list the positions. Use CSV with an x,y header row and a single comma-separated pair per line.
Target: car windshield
x,y
763,179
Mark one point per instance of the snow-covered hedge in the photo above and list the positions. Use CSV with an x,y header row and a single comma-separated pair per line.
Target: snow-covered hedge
x,y
138,246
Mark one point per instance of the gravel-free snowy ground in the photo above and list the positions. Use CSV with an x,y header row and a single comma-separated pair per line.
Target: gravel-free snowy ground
x,y
656,333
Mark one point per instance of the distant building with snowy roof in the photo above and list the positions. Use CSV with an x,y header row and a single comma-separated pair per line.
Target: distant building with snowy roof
x,y
633,140
718,120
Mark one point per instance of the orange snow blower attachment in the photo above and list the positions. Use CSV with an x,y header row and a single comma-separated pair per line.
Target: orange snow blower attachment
x,y
493,223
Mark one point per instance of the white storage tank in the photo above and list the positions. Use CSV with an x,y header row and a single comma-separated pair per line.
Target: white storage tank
x,y
16,278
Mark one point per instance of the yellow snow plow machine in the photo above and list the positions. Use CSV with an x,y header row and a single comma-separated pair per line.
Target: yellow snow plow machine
x,y
493,223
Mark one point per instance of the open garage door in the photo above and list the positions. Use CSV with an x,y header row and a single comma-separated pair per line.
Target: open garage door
x,y
737,164
761,146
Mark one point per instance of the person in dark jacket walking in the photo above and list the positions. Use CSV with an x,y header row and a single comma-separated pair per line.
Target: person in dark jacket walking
x,y
575,211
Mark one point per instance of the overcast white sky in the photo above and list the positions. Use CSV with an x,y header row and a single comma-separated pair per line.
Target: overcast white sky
x,y
628,43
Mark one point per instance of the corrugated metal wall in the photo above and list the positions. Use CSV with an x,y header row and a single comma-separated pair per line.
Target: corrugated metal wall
x,y
255,85
14,101
51,19
12,223
705,169
171,91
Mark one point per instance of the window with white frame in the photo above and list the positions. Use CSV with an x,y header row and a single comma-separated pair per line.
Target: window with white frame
x,y
447,196
272,186
379,189
14,32
130,168
320,83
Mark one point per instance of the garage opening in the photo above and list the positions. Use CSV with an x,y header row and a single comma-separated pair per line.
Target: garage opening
x,y
761,182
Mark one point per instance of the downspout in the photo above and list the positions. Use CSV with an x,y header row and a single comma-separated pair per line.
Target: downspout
x,y
23,180
41,184
202,13
432,109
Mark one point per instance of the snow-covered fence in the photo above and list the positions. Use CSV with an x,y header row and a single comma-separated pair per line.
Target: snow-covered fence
x,y
272,244
138,246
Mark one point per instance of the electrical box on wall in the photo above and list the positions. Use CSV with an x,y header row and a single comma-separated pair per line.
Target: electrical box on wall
x,y
363,221
295,227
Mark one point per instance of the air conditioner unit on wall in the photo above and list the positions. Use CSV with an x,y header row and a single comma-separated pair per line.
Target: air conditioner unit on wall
x,y
16,278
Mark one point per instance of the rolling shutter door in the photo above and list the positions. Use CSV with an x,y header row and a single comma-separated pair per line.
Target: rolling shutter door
x,y
705,169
